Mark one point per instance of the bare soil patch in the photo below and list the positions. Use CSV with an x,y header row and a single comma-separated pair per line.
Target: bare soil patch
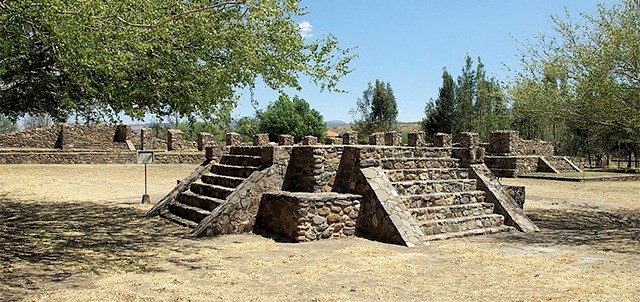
x,y
76,233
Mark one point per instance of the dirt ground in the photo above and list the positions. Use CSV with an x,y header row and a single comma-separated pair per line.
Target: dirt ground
x,y
76,233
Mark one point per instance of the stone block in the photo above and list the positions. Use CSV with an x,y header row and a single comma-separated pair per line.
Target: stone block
x,y
469,140
233,139
376,139
333,141
309,140
122,132
350,138
392,138
416,139
146,138
442,140
203,140
285,140
261,139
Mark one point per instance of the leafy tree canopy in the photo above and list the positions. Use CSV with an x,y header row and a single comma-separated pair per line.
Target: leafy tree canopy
x,y
292,117
474,103
152,56
585,82
377,110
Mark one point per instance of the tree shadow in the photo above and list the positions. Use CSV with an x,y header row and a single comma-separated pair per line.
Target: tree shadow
x,y
617,231
49,242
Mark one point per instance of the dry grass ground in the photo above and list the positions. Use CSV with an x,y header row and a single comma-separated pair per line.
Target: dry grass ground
x,y
75,233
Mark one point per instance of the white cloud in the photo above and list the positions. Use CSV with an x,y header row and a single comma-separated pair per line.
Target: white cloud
x,y
305,28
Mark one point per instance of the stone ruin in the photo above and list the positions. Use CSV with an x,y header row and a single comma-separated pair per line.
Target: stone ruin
x,y
406,195
92,144
510,156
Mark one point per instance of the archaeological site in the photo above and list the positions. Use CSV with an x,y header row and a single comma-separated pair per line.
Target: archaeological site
x,y
385,191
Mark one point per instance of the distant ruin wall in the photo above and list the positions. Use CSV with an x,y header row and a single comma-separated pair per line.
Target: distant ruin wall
x,y
96,157
509,143
40,138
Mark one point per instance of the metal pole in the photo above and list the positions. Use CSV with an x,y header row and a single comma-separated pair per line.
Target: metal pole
x,y
145,179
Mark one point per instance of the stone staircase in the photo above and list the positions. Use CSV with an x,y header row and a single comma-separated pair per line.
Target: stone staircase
x,y
441,197
190,207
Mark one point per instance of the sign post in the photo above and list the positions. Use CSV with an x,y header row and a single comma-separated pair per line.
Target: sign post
x,y
145,157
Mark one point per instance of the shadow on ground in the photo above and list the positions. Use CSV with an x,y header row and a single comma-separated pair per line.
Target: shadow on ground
x,y
42,242
617,231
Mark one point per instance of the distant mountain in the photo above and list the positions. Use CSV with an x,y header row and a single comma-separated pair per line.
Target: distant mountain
x,y
336,124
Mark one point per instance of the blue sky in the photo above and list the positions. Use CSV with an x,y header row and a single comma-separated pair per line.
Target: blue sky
x,y
407,43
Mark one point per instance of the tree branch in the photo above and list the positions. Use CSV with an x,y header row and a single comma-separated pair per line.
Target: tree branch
x,y
221,5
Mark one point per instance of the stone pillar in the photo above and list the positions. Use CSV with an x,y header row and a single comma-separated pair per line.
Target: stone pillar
x,y
122,131
442,140
233,139
145,139
350,138
203,140
174,137
261,139
333,141
416,139
309,140
285,140
469,140
392,138
472,153
502,141
209,153
376,139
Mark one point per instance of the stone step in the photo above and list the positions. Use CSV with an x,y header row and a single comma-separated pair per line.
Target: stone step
x,y
187,212
461,224
442,199
468,233
221,180
241,160
427,174
234,171
214,191
407,152
179,220
246,150
419,187
419,163
452,211
200,201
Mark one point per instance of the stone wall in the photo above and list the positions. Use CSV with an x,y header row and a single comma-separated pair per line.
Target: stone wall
x,y
93,137
147,141
508,142
95,157
39,138
308,216
518,194
511,166
312,168
176,141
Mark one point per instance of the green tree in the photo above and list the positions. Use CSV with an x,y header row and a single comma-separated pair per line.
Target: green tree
x,y
248,126
593,67
377,110
192,128
7,124
293,117
440,113
475,103
465,95
152,56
